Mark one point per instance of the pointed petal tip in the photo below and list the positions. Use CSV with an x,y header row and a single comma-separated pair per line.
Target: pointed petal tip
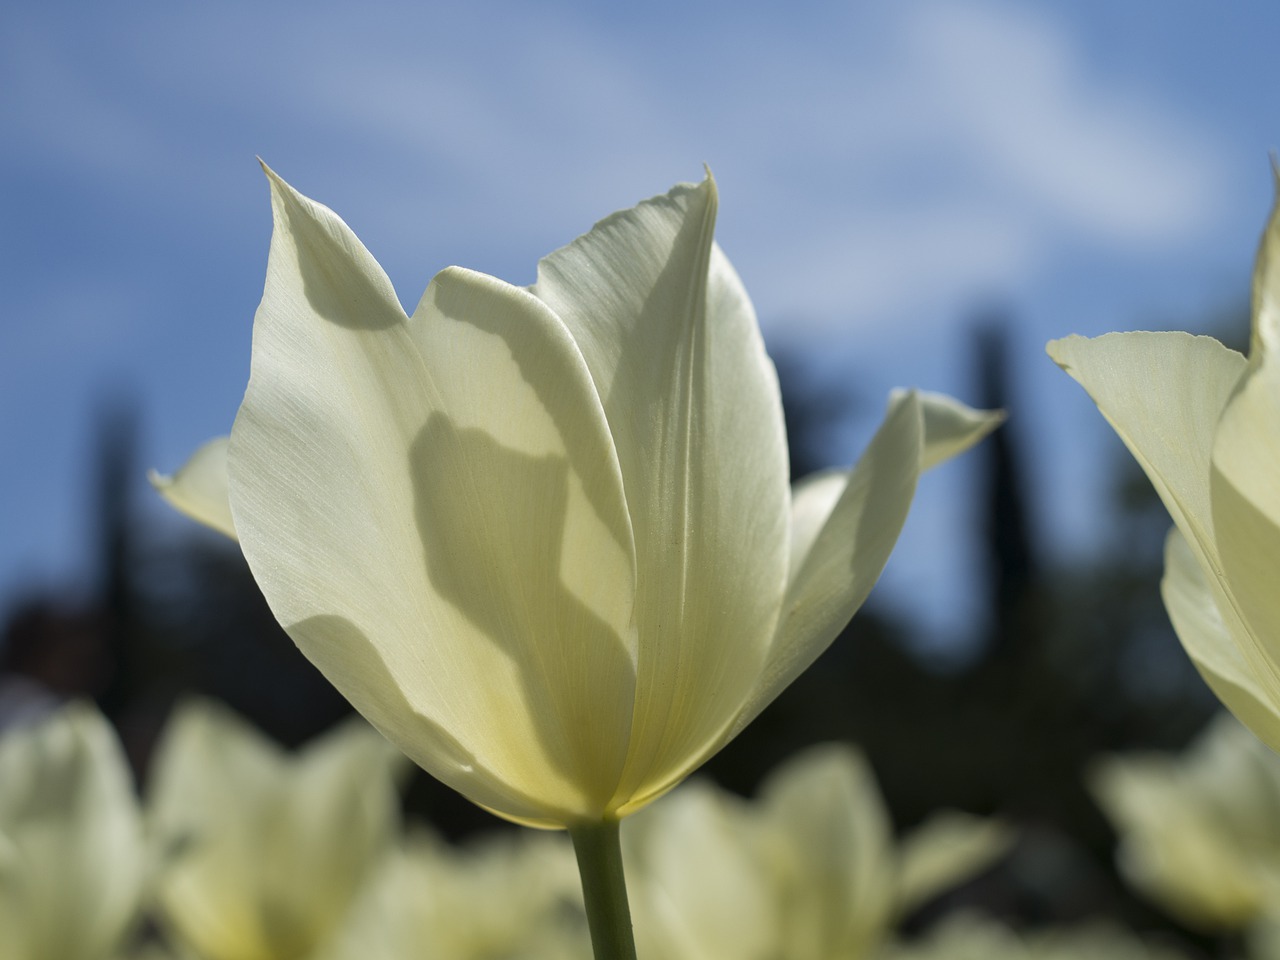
x,y
1059,349
709,179
199,488
950,427
271,174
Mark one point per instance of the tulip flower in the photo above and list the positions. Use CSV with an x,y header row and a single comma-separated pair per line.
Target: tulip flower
x,y
72,861
510,895
1200,833
264,853
1204,423
542,538
809,871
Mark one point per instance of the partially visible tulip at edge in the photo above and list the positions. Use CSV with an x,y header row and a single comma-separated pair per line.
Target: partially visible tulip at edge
x,y
72,859
543,537
1204,423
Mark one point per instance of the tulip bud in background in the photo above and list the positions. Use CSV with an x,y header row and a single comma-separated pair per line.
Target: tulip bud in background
x,y
513,896
808,871
72,862
1200,833
263,853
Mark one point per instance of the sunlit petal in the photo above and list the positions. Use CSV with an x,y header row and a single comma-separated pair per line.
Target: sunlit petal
x,y
1246,514
199,488
846,557
1163,393
675,351
1198,618
951,427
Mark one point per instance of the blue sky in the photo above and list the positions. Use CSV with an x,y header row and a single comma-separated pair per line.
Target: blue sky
x,y
883,167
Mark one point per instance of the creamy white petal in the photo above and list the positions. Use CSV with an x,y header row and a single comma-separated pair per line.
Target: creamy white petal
x,y
812,500
1266,282
199,488
947,848
846,557
1198,832
264,853
839,883
698,888
1246,514
951,427
434,510
73,839
1163,393
1214,637
692,400
1245,495
335,814
209,778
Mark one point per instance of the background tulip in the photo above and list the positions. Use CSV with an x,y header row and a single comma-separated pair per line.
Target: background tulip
x,y
72,863
510,896
1200,833
263,853
810,870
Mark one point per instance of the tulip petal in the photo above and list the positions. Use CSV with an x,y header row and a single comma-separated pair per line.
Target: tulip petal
x,y
844,560
945,849
1198,619
1172,842
71,868
1163,393
336,816
1246,464
951,427
434,510
264,852
698,888
210,772
1266,281
1246,517
840,845
693,405
199,488
812,500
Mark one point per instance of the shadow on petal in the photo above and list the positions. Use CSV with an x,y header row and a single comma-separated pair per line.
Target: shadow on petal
x,y
342,281
351,660
493,523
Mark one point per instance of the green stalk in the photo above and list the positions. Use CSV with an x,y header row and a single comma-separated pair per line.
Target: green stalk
x,y
604,889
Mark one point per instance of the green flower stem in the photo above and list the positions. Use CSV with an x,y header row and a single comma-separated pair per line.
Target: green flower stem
x,y
604,889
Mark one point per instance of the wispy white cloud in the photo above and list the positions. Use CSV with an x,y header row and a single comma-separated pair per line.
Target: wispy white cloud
x,y
892,158
1015,94
881,163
